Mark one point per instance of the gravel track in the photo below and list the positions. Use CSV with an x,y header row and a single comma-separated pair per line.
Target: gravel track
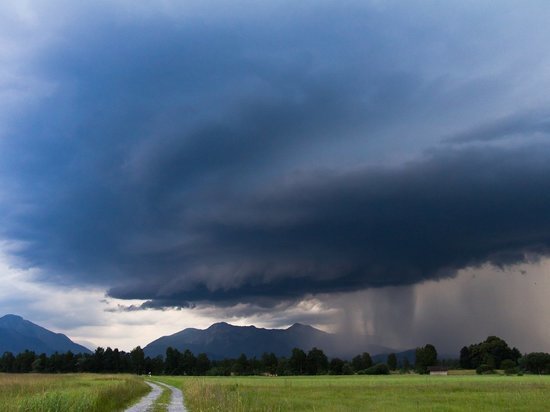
x,y
176,400
146,403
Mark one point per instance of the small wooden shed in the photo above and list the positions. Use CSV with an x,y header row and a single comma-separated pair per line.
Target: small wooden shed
x,y
438,370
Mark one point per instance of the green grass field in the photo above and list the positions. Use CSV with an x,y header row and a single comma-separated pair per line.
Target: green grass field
x,y
102,393
71,392
365,393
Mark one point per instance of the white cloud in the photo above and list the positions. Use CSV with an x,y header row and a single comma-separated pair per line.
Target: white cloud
x,y
81,312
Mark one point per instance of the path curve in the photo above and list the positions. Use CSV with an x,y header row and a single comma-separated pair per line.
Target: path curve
x,y
147,401
176,400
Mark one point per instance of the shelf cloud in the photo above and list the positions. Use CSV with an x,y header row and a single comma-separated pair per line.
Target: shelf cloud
x,y
264,153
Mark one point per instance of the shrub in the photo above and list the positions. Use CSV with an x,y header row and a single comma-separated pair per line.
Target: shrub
x,y
378,369
484,369
509,367
507,364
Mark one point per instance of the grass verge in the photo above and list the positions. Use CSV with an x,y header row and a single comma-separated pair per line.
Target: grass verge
x,y
69,392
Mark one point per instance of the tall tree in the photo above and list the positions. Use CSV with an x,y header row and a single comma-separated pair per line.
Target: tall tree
x,y
269,363
188,363
241,365
297,362
316,362
392,361
98,356
108,361
117,364
367,360
171,362
361,362
336,366
7,362
425,357
138,360
465,362
203,364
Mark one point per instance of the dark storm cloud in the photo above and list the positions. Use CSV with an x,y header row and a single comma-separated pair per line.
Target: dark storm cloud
x,y
343,232
187,159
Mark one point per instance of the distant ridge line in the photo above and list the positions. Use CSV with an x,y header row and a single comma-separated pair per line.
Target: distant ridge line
x,y
18,334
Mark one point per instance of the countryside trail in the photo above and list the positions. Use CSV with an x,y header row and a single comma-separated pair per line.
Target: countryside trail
x,y
146,403
176,400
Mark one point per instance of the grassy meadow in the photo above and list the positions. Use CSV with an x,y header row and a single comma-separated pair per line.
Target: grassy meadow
x,y
365,393
69,392
102,393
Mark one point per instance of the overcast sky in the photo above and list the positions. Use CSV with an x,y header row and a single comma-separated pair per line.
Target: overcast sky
x,y
373,167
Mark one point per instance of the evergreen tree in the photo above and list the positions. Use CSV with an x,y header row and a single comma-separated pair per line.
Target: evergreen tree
x,y
188,363
138,360
297,362
392,361
465,362
171,362
269,363
361,362
203,364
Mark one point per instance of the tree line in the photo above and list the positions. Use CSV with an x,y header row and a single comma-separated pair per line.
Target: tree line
x,y
493,353
314,362
299,362
101,361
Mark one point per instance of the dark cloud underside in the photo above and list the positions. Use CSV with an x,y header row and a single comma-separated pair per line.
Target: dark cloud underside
x,y
342,232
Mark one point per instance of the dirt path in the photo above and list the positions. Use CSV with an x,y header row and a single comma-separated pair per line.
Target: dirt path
x,y
147,401
176,400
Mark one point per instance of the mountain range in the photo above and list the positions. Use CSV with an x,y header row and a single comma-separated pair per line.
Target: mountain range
x,y
219,341
222,340
18,334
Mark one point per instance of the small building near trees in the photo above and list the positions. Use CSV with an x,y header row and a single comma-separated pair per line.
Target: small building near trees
x,y
438,370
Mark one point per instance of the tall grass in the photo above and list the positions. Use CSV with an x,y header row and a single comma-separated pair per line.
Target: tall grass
x,y
365,393
70,392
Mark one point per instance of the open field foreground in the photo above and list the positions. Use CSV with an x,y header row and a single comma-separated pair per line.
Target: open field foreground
x,y
364,393
70,392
